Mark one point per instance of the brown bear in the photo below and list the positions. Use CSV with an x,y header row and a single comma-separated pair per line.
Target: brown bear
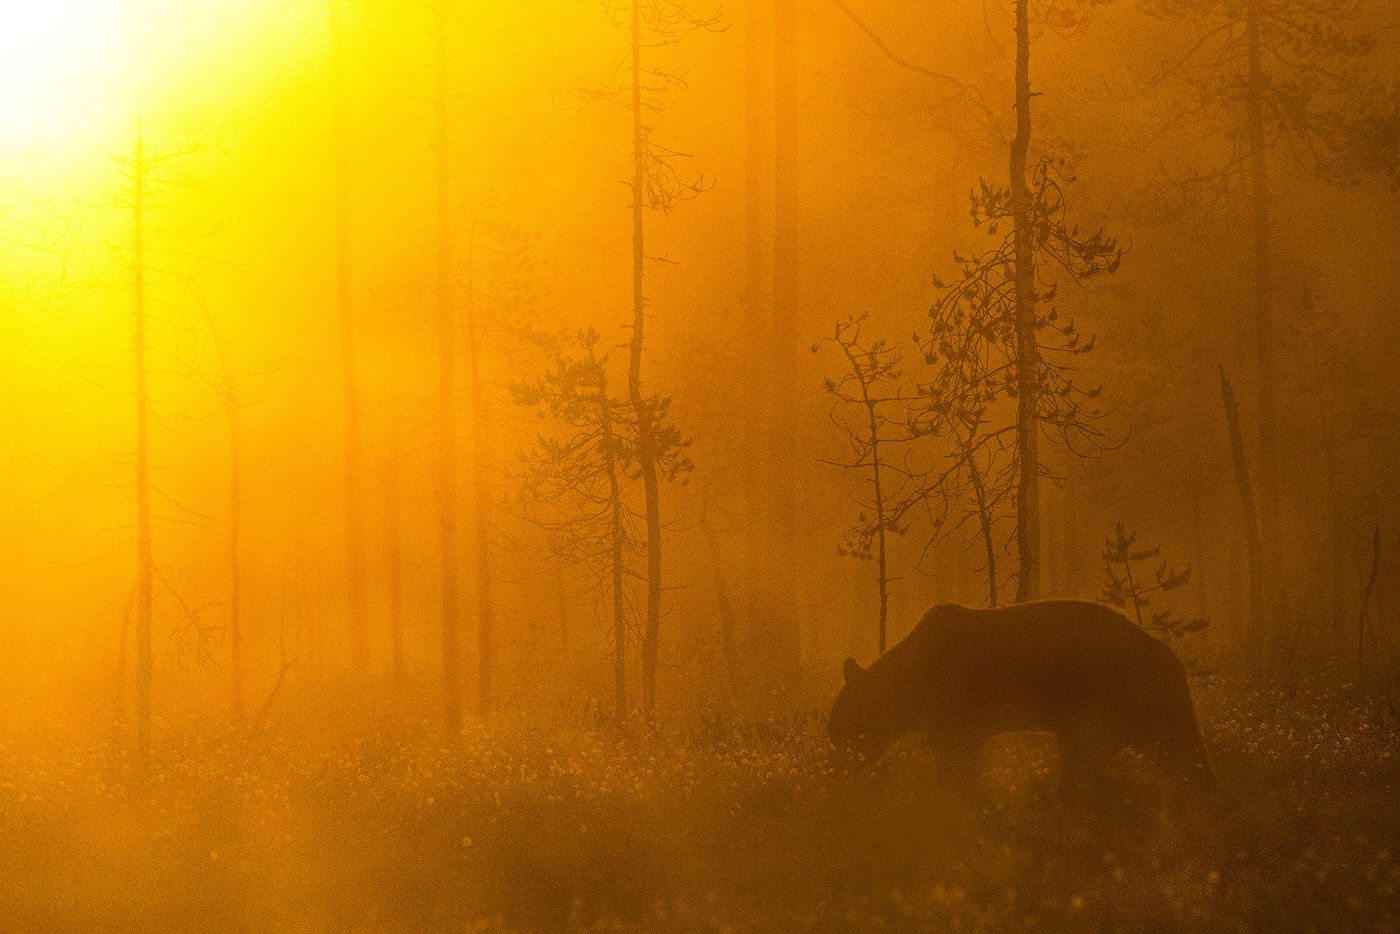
x,y
1076,669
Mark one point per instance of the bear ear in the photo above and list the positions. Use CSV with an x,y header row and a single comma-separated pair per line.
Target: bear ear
x,y
852,670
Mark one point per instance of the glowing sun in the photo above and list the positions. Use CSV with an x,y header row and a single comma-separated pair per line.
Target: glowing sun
x,y
60,68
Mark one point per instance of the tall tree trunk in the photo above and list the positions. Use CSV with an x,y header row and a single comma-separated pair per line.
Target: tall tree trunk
x,y
617,531
1263,310
1254,637
481,498
563,614
119,688
758,287
984,515
145,567
1198,542
357,602
879,506
782,493
235,536
447,416
723,604
394,568
1027,355
961,543
1325,404
646,441
1071,528
1363,618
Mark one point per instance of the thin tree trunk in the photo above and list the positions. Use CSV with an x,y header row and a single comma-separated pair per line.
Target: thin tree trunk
x,y
1325,404
1365,613
1132,589
1253,633
877,480
782,497
354,511
394,569
646,441
145,567
282,620
235,535
1263,297
1027,355
723,603
1071,521
481,498
447,416
758,189
962,542
985,516
616,530
1199,547
119,688
879,521
563,613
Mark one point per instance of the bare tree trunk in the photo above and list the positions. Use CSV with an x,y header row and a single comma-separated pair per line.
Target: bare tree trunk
x,y
1072,578
119,688
880,524
563,613
145,567
447,416
985,516
962,571
235,534
394,568
481,498
646,441
354,510
758,190
1254,637
1263,303
782,641
1198,541
617,531
1364,616
723,603
1027,354
1325,405
880,564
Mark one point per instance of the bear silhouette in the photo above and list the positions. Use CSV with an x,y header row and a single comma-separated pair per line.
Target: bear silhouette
x,y
1078,670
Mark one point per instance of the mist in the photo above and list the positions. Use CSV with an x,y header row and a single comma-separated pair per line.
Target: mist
x,y
457,454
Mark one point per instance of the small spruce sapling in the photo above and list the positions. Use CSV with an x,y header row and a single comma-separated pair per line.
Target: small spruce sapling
x,y
1133,589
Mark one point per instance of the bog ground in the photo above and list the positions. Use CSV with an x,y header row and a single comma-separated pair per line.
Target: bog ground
x,y
731,824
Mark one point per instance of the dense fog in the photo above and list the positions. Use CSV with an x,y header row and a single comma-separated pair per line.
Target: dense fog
x,y
451,448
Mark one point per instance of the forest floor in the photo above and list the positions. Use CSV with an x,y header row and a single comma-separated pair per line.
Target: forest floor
x,y
735,826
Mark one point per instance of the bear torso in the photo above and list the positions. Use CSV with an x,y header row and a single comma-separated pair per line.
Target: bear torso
x,y
1076,669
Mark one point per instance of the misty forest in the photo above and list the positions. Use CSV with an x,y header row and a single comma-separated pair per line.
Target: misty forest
x,y
463,460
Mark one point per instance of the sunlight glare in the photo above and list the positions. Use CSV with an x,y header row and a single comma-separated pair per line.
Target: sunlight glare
x,y
57,64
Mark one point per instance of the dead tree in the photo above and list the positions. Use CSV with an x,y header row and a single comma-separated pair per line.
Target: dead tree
x,y
871,385
657,186
1254,631
355,588
445,301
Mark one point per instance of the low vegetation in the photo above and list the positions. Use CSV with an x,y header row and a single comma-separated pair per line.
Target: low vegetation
x,y
730,825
